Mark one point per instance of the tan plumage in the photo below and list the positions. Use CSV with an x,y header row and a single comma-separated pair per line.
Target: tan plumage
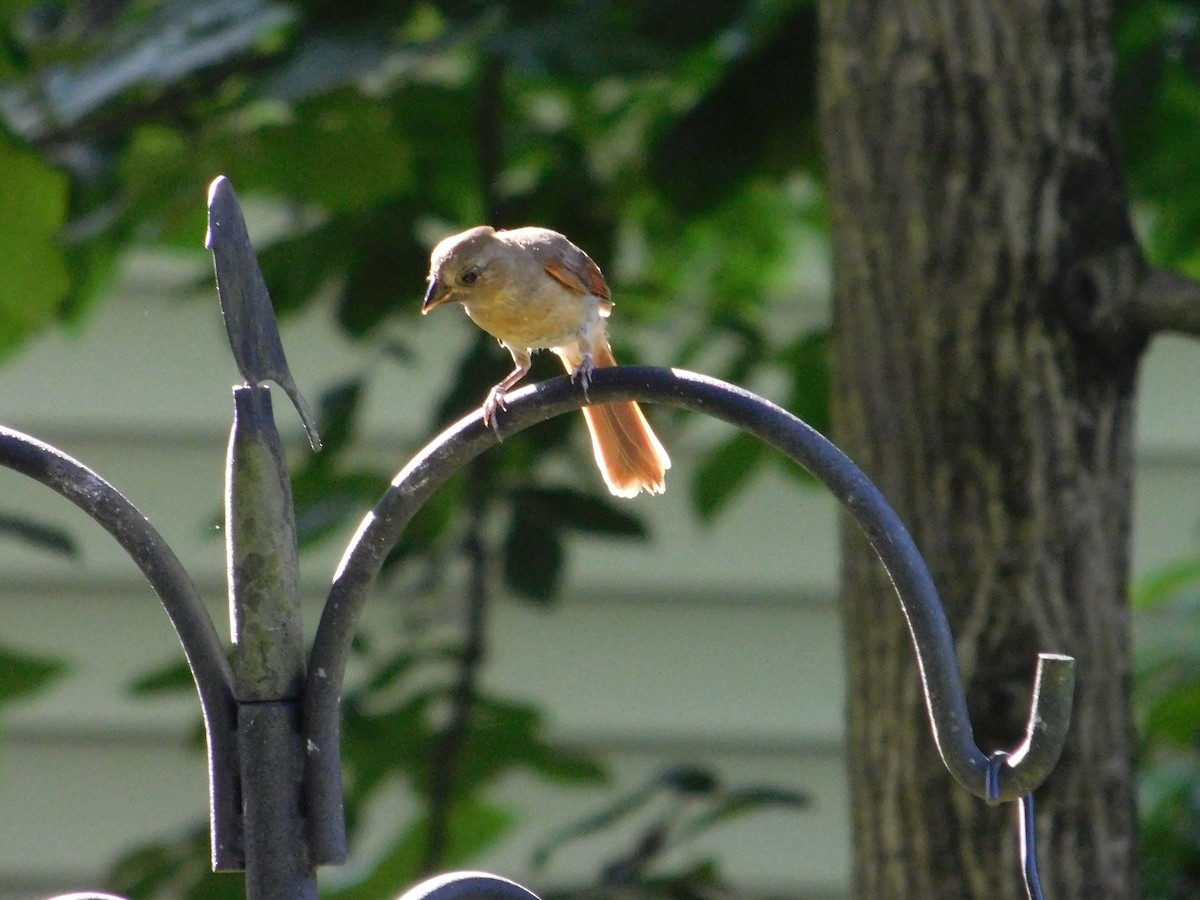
x,y
533,289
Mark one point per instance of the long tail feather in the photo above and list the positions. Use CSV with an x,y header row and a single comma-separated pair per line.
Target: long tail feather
x,y
628,452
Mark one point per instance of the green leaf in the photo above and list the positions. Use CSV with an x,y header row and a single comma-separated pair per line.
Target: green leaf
x,y
475,827
1175,717
617,811
386,272
1166,583
760,118
33,209
328,501
342,152
724,471
563,507
175,677
807,359
689,780
505,735
740,802
179,868
296,266
533,560
39,535
22,674
338,412
429,528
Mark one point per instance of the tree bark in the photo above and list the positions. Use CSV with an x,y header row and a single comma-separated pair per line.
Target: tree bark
x,y
984,377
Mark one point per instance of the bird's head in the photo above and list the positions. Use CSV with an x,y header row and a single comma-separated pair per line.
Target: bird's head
x,y
462,265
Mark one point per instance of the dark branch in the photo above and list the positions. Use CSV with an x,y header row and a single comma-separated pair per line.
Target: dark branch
x,y
452,741
1167,301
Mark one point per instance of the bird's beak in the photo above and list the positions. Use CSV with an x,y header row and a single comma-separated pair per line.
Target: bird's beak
x,y
437,294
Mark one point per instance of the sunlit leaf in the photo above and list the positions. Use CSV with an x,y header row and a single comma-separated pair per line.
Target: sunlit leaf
x,y
1166,583
33,209
341,153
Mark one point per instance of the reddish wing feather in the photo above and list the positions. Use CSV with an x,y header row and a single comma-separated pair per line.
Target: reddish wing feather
x,y
579,273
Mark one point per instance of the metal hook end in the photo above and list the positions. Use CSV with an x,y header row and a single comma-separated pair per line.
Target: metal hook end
x,y
1018,773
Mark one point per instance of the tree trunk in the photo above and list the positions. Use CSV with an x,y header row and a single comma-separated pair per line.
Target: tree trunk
x,y
983,378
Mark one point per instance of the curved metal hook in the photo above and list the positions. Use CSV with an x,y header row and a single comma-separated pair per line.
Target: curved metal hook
x,y
201,645
1025,769
468,886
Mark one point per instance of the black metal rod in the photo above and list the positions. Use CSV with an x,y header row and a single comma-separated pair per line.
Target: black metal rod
x,y
437,461
268,662
1027,839
277,864
468,886
201,645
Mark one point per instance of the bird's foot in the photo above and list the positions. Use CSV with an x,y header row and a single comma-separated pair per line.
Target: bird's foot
x,y
493,403
583,373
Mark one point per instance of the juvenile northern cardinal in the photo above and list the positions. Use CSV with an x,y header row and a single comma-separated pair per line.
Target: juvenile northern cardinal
x,y
531,288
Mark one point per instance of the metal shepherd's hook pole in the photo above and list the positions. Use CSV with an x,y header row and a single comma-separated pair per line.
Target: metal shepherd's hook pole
x,y
264,596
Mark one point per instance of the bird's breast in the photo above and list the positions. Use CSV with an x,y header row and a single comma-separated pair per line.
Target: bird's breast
x,y
549,318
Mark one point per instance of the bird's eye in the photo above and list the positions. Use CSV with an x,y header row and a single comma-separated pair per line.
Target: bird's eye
x,y
470,277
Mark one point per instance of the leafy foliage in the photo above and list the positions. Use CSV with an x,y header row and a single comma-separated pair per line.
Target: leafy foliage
x,y
22,674
1158,96
1167,694
672,808
33,211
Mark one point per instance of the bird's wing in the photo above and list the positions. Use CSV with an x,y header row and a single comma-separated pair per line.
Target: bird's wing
x,y
579,274
570,266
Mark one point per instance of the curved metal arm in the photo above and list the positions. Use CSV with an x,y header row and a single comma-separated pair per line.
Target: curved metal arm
x,y
379,531
201,645
468,886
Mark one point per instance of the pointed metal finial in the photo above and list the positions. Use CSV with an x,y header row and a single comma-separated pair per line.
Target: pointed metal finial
x,y
245,303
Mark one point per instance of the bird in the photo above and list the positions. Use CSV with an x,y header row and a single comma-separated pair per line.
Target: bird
x,y
532,289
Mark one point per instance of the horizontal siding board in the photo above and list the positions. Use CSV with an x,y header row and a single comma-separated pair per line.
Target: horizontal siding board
x,y
673,671
69,808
